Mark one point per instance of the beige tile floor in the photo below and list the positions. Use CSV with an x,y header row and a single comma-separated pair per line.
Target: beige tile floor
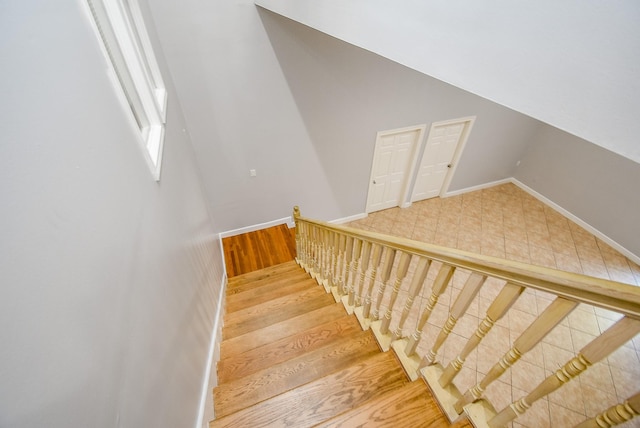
x,y
506,222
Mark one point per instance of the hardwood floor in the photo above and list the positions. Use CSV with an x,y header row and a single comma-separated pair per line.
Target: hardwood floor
x,y
260,249
291,356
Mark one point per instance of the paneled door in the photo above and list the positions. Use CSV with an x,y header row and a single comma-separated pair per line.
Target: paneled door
x,y
393,167
441,153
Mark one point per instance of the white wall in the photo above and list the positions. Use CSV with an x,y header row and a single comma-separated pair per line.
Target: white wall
x,y
345,95
594,184
109,279
572,64
240,114
261,91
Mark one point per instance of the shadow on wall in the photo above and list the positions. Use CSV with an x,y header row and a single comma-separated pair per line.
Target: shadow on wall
x,y
594,184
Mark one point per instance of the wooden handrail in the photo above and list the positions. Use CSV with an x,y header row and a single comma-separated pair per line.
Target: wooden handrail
x,y
616,296
346,262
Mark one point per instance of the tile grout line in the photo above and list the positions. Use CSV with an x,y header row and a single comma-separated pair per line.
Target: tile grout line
x,y
394,218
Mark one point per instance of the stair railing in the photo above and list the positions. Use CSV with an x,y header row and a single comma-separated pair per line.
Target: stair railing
x,y
380,278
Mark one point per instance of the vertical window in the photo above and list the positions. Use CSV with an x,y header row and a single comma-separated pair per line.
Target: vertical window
x,y
125,40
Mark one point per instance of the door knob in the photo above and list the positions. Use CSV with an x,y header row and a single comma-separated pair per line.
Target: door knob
x,y
449,166
374,182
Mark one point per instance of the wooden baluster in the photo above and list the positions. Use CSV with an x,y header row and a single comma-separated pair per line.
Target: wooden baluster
x,y
439,286
362,312
507,297
339,267
364,266
299,245
320,257
416,285
352,278
348,258
322,249
304,246
358,247
308,245
296,220
326,259
325,269
550,317
341,242
314,251
387,266
410,363
401,273
381,328
315,239
614,337
334,244
309,248
460,306
615,415
377,257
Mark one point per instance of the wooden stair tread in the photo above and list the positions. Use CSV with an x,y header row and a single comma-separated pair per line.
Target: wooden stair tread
x,y
262,274
240,393
290,283
234,366
273,311
323,398
288,276
280,330
408,406
291,356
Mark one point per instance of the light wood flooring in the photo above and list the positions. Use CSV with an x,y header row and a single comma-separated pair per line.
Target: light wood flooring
x,y
260,249
291,356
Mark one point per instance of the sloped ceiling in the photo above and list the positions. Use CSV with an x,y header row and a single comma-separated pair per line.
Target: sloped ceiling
x,y
573,64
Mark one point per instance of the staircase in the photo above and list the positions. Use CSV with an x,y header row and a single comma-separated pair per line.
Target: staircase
x,y
291,356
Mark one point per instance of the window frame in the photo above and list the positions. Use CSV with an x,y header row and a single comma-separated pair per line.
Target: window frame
x,y
123,35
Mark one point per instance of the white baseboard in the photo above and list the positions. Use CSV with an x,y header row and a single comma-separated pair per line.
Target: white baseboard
x,y
578,221
550,203
478,187
349,219
224,262
286,220
205,410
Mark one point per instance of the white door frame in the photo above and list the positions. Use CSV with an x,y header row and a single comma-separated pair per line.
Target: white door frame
x,y
404,199
462,142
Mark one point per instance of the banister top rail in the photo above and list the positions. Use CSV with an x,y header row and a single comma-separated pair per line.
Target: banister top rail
x,y
616,296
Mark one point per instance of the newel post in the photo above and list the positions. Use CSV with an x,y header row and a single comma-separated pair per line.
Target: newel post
x,y
296,216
